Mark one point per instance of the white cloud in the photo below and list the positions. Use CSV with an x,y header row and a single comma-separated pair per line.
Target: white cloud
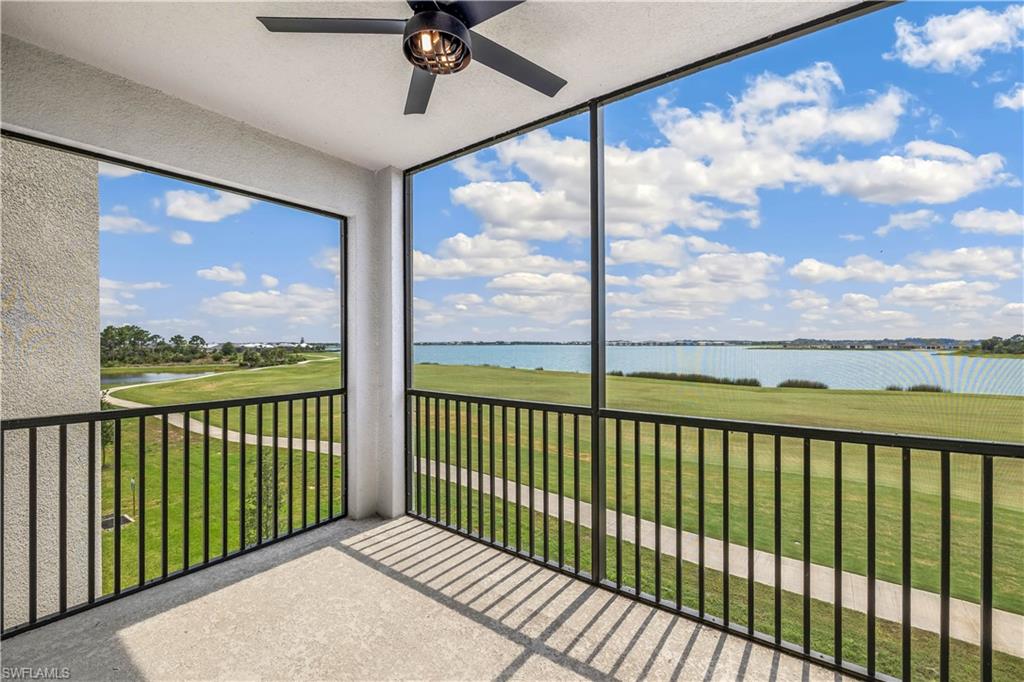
x,y
298,304
1013,313
475,170
221,273
913,220
125,224
945,296
115,287
669,250
551,308
997,262
1008,222
203,207
268,281
181,237
715,163
112,170
556,282
1013,99
806,299
957,42
462,256
852,237
115,294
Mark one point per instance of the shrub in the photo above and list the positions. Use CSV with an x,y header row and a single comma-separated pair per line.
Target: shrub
x,y
616,373
927,388
802,383
894,387
696,378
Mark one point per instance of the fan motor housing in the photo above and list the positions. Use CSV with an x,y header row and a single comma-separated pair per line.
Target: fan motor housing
x,y
437,42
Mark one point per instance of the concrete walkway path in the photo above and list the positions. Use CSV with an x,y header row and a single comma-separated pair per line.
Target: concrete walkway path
x,y
964,616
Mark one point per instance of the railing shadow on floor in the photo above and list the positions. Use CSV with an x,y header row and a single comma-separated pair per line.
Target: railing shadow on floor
x,y
564,621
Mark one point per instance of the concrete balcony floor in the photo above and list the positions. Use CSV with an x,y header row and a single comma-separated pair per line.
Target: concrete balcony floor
x,y
399,599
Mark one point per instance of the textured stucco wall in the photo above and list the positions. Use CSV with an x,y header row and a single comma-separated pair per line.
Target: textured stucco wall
x,y
52,96
49,270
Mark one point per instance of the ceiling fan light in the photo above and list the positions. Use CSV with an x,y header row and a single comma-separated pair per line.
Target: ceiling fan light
x,y
437,42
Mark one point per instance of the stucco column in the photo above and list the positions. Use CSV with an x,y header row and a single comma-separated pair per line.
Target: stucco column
x,y
49,278
376,355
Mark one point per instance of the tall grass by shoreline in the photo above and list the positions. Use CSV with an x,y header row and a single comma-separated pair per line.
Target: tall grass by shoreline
x,y
695,378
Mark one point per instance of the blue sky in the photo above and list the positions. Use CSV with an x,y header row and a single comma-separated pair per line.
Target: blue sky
x,y
179,258
863,181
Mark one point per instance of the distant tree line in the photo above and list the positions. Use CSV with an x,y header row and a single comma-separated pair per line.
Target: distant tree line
x,y
130,344
1013,345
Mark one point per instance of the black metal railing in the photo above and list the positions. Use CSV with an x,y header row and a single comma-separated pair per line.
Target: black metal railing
x,y
99,505
801,538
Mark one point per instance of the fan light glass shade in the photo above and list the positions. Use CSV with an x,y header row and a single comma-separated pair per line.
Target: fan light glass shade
x,y
437,43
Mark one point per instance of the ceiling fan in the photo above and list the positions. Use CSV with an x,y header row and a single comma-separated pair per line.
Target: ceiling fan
x,y
437,40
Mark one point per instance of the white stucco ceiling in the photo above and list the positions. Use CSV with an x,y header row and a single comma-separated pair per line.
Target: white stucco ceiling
x,y
344,94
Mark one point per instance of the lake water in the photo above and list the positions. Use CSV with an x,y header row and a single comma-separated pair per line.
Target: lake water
x,y
837,368
148,377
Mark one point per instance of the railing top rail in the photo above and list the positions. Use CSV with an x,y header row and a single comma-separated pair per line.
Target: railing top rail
x,y
897,440
158,410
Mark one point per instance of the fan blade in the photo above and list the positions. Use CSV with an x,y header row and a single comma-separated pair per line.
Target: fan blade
x,y
519,68
473,12
420,86
330,25
422,5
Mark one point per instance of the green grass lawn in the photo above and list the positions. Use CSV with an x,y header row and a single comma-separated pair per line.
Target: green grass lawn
x,y
176,506
942,414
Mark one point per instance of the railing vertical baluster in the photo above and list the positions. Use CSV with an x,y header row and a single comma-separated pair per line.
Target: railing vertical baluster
x,y
491,465
417,447
277,475
519,486
62,533
618,503
330,462
529,463
576,490
700,521
291,469
186,475
259,473
544,479
117,510
142,501
3,458
33,522
561,489
987,521
657,511
91,493
679,517
906,530
637,538
777,518
458,464
305,462
870,532
725,528
206,486
480,466
224,481
164,469
437,456
319,463
807,546
447,463
469,467
242,438
837,560
504,475
750,533
944,525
